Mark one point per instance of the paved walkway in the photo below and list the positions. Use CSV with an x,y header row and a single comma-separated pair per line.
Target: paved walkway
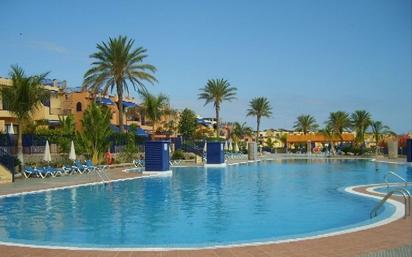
x,y
22,184
394,235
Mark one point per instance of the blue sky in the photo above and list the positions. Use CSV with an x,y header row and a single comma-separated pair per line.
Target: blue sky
x,y
306,56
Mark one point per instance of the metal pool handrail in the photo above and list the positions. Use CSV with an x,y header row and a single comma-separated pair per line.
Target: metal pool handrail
x,y
407,201
395,175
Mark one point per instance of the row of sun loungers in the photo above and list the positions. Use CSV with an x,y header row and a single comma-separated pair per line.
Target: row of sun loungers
x,y
49,171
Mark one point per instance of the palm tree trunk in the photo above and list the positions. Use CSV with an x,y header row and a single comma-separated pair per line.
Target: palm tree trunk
x,y
257,129
120,106
153,130
217,120
20,144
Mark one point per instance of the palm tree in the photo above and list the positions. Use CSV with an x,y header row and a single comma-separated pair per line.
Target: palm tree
x,y
23,97
117,63
283,138
361,120
329,135
217,91
378,130
240,130
338,122
154,107
305,123
259,107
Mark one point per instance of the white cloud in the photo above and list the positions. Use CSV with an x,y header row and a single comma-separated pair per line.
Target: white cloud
x,y
48,46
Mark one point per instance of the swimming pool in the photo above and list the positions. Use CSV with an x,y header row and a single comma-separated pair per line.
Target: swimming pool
x,y
198,207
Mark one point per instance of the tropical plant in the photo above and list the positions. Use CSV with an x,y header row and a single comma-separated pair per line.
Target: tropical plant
x,y
154,107
93,139
361,120
270,143
329,134
378,130
305,124
338,122
131,150
283,138
170,124
23,97
259,107
115,64
67,131
187,123
217,91
240,130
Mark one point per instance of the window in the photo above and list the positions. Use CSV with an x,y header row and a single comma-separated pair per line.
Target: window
x,y
46,102
79,107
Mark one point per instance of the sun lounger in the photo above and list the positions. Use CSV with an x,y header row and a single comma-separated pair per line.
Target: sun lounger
x,y
79,167
138,163
89,165
29,171
43,172
67,170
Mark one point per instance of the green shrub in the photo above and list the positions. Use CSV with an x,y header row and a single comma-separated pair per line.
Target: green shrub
x,y
178,155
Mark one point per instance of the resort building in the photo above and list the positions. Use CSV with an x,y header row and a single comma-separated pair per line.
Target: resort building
x,y
65,101
317,140
48,112
77,101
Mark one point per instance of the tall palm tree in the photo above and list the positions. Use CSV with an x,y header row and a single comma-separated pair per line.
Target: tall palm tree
x,y
24,96
154,107
259,107
361,120
339,122
217,91
305,123
115,64
378,130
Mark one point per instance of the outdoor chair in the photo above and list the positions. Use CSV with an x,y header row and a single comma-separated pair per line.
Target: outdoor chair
x,y
138,163
79,167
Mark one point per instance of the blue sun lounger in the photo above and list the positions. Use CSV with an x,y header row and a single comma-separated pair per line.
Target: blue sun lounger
x,y
79,167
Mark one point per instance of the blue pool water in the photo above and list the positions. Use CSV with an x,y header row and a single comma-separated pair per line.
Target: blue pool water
x,y
199,207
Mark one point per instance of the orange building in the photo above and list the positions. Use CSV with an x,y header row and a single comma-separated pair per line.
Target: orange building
x,y
78,101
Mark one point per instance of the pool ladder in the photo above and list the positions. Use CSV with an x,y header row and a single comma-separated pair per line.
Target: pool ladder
x,y
394,175
100,171
402,191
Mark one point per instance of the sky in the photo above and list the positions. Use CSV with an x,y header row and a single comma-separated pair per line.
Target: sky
x,y
307,57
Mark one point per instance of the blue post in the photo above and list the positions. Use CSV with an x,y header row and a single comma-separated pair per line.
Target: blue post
x,y
157,156
215,153
409,150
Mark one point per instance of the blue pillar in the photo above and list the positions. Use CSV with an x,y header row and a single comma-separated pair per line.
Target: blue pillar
x,y
157,156
409,150
215,153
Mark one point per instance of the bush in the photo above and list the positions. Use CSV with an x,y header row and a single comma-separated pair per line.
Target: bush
x,y
178,155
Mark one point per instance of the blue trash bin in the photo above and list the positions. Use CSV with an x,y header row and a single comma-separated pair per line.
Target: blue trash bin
x,y
215,153
409,150
157,156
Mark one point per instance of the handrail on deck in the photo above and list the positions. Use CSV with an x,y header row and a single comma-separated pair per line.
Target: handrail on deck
x,y
407,201
395,175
